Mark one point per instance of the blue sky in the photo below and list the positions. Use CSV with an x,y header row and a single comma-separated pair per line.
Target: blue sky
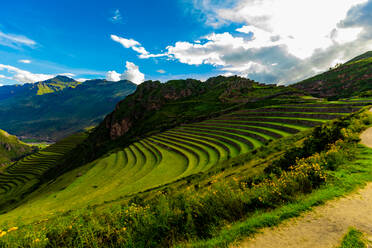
x,y
139,40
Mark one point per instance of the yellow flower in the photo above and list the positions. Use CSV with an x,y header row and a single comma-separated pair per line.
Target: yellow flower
x,y
14,228
37,240
3,233
124,229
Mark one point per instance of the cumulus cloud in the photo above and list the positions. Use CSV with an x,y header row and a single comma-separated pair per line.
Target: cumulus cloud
x,y
23,76
132,73
15,40
113,76
24,61
278,41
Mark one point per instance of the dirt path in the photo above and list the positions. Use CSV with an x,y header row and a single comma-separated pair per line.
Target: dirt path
x,y
325,226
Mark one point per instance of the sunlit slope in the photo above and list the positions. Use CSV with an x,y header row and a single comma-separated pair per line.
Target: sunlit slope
x,y
21,178
161,158
12,149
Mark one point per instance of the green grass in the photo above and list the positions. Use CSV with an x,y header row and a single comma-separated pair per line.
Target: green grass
x,y
353,239
156,161
345,180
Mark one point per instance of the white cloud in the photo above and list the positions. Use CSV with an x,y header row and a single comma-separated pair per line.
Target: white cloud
x,y
67,74
116,18
278,40
113,76
133,73
82,80
23,76
127,43
136,46
161,71
304,26
15,41
24,61
1,85
4,77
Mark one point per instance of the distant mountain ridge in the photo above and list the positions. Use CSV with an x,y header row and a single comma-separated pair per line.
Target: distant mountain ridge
x,y
354,78
52,85
57,107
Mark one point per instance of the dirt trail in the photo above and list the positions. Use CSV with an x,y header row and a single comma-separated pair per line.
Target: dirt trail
x,y
325,226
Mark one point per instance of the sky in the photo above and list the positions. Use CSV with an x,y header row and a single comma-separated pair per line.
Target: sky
x,y
270,41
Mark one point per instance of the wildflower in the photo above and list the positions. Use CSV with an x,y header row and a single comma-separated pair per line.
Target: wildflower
x,y
37,240
124,229
14,228
3,233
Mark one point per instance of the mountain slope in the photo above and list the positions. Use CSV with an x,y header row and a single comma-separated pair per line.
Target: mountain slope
x,y
55,84
32,113
354,78
11,148
39,88
156,107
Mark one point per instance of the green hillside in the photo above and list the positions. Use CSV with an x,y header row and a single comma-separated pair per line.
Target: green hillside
x,y
156,160
55,84
353,78
156,107
71,107
12,149
176,163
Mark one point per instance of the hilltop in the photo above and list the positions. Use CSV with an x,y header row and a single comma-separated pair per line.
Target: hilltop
x,y
55,84
354,78
11,149
57,107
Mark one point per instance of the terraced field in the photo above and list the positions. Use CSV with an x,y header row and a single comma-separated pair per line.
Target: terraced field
x,y
23,175
166,157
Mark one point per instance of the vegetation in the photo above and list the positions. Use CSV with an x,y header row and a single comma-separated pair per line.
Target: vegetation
x,y
353,239
185,163
69,107
350,79
196,206
11,149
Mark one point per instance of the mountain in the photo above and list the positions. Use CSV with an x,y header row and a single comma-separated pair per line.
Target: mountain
x,y
57,107
11,148
354,78
55,84
176,162
156,107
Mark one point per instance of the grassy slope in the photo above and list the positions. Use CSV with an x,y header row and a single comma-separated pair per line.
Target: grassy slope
x,y
152,162
156,107
11,148
87,223
349,177
350,79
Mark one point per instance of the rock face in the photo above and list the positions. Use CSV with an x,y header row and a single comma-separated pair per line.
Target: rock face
x,y
149,96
